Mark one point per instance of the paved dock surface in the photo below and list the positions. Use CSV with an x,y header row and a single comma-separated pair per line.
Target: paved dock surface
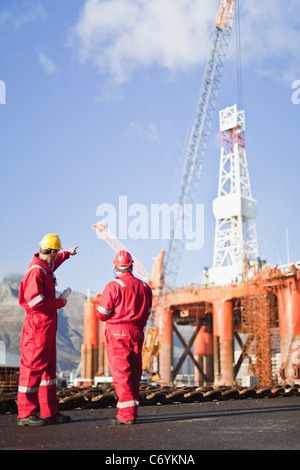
x,y
250,424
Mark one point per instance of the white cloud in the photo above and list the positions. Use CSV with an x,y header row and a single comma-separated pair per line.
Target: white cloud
x,y
143,131
270,37
47,64
34,12
121,37
20,15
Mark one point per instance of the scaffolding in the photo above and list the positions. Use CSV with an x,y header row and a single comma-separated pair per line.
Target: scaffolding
x,y
259,326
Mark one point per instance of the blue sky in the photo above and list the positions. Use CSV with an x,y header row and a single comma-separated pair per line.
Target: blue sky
x,y
100,96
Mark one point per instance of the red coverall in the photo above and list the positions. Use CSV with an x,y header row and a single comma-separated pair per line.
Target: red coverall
x,y
37,380
125,305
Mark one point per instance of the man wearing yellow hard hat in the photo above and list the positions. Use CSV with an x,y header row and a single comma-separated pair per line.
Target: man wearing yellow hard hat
x,y
37,379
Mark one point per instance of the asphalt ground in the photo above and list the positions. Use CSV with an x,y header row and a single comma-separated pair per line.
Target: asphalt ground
x,y
166,431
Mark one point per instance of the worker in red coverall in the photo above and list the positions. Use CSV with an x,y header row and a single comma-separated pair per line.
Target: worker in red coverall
x,y
124,306
37,379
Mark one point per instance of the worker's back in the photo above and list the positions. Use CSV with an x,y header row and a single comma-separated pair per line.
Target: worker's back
x,y
127,299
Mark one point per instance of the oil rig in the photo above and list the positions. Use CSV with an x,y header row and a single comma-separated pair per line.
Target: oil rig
x,y
246,315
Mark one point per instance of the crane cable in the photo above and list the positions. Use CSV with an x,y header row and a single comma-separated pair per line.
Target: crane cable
x,y
239,58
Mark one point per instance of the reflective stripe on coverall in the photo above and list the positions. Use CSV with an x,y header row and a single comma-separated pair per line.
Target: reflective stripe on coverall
x,y
125,305
37,379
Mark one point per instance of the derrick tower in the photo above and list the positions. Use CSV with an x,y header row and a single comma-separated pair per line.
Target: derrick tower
x,y
236,246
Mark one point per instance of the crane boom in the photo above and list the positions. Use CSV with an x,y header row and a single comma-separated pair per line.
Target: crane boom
x,y
116,245
200,132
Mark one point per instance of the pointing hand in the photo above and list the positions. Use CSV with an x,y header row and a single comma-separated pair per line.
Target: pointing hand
x,y
73,251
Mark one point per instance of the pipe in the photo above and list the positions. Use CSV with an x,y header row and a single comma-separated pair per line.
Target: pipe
x,y
288,298
90,346
203,352
223,342
166,349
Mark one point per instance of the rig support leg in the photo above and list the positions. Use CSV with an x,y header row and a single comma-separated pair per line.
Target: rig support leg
x,y
223,342
166,349
288,297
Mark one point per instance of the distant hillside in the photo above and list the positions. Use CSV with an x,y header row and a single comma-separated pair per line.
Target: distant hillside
x,y
70,327
70,323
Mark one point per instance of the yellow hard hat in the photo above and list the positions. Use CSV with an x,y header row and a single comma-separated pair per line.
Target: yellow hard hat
x,y
51,241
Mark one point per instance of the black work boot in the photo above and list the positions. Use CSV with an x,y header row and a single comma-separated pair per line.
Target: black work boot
x,y
33,420
118,421
58,419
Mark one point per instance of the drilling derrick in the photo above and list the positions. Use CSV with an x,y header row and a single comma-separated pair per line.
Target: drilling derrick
x,y
236,245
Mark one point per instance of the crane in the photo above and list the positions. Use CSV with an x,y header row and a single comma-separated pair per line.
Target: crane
x,y
195,152
200,131
104,232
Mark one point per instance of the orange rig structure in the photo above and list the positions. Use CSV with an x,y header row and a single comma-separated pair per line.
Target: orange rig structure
x,y
259,317
239,326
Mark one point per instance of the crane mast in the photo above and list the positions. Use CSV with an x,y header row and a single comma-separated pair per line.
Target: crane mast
x,y
200,132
